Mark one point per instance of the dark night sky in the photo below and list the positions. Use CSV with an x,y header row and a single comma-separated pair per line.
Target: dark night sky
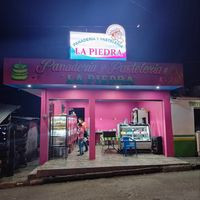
x,y
169,29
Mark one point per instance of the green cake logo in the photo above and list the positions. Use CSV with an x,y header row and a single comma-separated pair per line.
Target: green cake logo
x,y
19,72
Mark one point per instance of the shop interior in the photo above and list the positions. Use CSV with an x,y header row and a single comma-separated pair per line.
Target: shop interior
x,y
115,121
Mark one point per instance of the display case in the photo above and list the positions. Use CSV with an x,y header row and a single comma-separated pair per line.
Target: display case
x,y
71,125
140,133
71,130
63,135
137,132
58,136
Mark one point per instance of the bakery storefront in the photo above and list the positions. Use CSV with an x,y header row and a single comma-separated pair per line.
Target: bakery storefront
x,y
110,95
115,97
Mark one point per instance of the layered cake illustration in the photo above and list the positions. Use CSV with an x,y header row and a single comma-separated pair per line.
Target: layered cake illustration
x,y
20,72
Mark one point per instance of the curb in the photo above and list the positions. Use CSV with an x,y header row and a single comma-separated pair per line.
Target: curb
x,y
97,175
109,174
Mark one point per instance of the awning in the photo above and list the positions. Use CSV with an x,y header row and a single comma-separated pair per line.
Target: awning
x,y
6,110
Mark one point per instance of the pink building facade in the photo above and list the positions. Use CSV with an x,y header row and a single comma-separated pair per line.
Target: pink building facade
x,y
141,85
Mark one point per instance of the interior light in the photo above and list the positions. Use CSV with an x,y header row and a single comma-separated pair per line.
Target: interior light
x,y
74,86
138,26
29,86
157,87
117,87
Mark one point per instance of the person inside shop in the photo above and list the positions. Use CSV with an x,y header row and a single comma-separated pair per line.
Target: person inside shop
x,y
80,139
85,139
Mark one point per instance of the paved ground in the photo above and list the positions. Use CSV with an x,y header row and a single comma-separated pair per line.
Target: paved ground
x,y
110,158
21,174
191,160
162,186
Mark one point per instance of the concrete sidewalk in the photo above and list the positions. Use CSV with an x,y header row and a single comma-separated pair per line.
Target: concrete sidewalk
x,y
105,165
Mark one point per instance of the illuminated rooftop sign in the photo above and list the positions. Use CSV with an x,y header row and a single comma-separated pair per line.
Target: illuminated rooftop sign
x,y
99,46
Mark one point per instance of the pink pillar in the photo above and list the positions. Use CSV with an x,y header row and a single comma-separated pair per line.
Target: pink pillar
x,y
168,136
92,129
44,128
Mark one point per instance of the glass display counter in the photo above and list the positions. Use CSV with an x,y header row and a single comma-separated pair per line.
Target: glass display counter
x,y
140,133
